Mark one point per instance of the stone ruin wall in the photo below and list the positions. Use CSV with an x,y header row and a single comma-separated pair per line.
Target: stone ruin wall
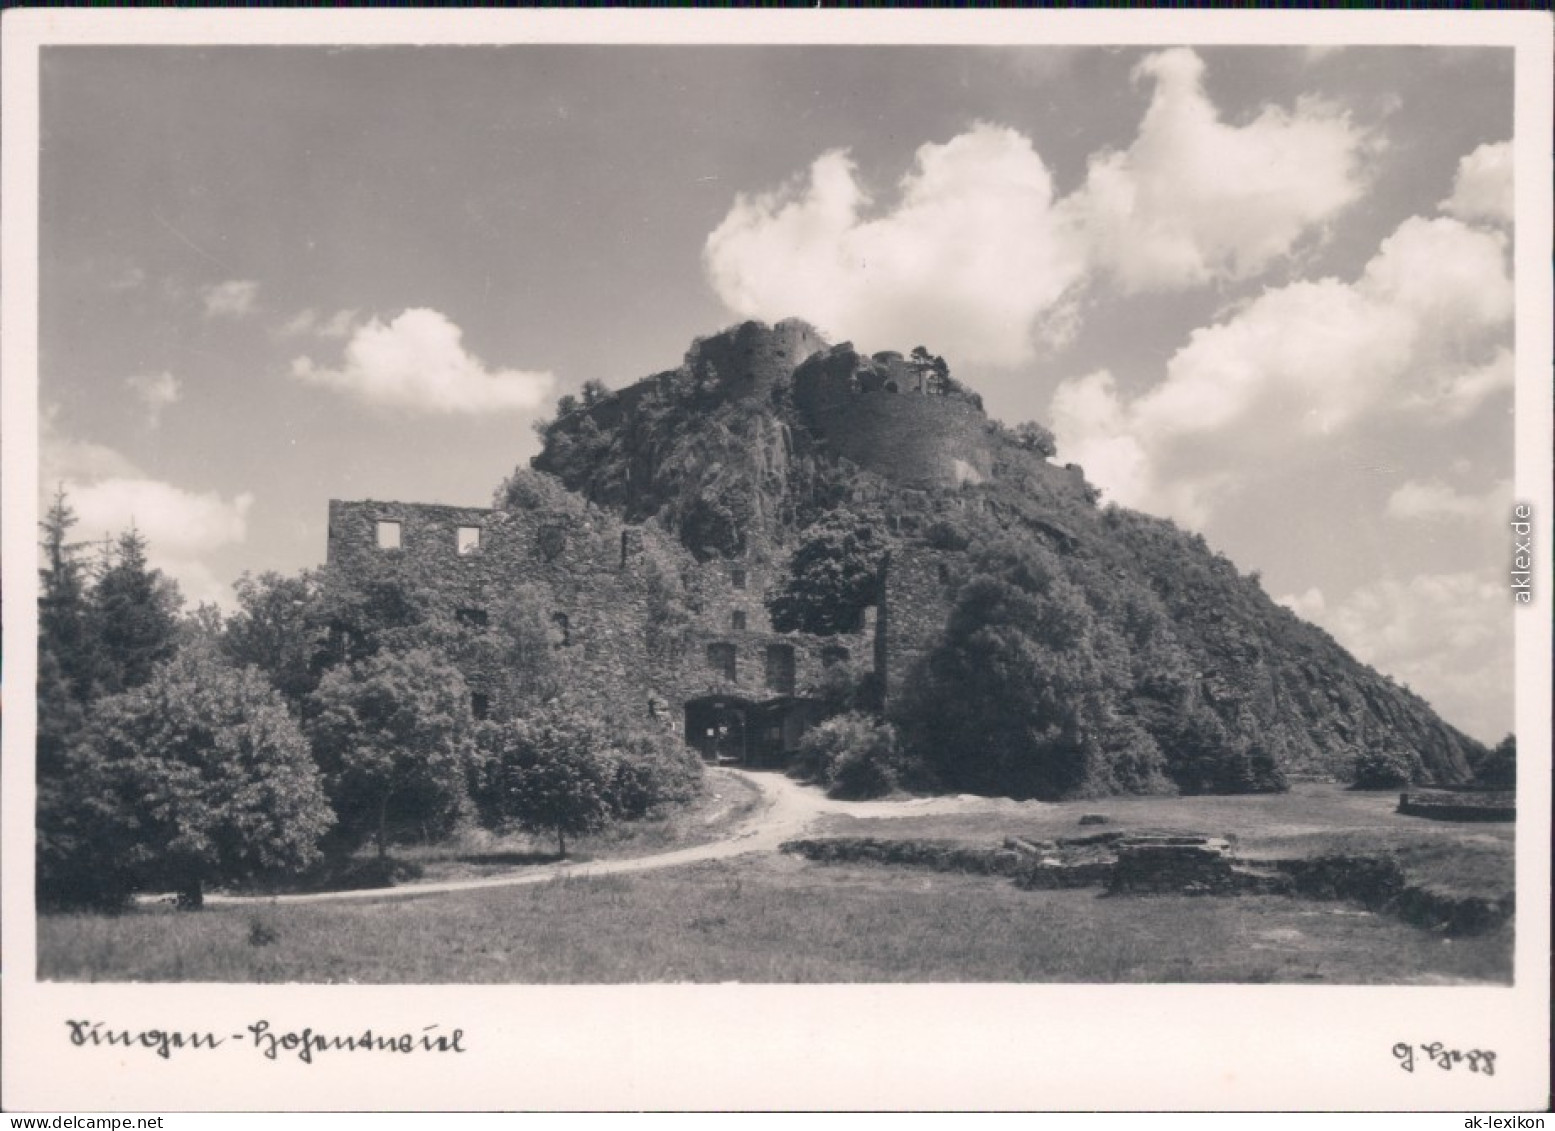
x,y
576,562
920,590
915,439
751,358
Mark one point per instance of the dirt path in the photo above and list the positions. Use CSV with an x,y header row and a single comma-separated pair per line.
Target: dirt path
x,y
785,811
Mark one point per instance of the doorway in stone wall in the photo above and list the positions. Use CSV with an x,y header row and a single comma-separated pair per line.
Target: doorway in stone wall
x,y
717,727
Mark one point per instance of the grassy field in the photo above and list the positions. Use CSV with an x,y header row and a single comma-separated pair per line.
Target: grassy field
x,y
768,918
726,802
477,854
1313,819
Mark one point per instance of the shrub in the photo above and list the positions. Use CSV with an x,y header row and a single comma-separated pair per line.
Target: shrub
x,y
853,755
949,533
1383,767
561,771
655,772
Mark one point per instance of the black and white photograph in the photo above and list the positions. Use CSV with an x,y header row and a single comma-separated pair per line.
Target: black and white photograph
x,y
809,546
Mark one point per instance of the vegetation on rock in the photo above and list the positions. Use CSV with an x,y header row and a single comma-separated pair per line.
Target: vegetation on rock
x,y
1140,660
832,577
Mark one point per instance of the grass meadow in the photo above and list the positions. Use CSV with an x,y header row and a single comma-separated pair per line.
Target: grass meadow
x,y
1312,819
770,918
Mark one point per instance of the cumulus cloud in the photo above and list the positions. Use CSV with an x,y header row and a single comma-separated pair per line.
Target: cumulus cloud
x,y
969,258
975,254
1456,394
1194,200
109,495
131,278
311,322
1309,605
236,298
156,391
1296,363
1433,500
63,459
1482,189
177,523
1448,636
418,363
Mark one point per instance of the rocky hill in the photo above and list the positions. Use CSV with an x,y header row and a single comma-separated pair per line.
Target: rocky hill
x,y
1196,679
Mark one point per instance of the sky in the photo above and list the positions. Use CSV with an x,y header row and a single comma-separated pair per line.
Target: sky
x,y
1264,291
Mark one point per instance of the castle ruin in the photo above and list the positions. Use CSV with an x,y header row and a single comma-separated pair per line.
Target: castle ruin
x,y
640,626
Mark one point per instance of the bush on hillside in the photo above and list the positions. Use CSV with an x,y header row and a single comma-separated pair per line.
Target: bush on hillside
x,y
1383,767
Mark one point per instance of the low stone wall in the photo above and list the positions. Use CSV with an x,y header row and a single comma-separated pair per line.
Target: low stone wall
x,y
1191,865
1178,865
1460,804
1378,883
940,855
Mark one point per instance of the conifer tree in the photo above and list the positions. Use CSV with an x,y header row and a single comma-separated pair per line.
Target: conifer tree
x,y
135,615
64,613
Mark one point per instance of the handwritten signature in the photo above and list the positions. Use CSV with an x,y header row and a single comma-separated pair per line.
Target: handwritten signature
x,y
1477,1060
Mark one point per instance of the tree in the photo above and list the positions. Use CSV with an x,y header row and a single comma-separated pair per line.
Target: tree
x,y
1024,695
279,628
557,773
831,579
372,606
1499,767
525,656
64,624
395,738
195,776
67,663
1034,437
134,616
933,373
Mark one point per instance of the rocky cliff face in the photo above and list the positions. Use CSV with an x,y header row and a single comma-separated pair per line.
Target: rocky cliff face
x,y
763,430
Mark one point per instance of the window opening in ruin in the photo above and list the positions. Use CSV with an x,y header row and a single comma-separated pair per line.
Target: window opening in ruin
x,y
834,654
562,626
721,658
469,539
944,574
737,578
737,620
552,540
388,534
472,618
480,704
631,545
780,668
